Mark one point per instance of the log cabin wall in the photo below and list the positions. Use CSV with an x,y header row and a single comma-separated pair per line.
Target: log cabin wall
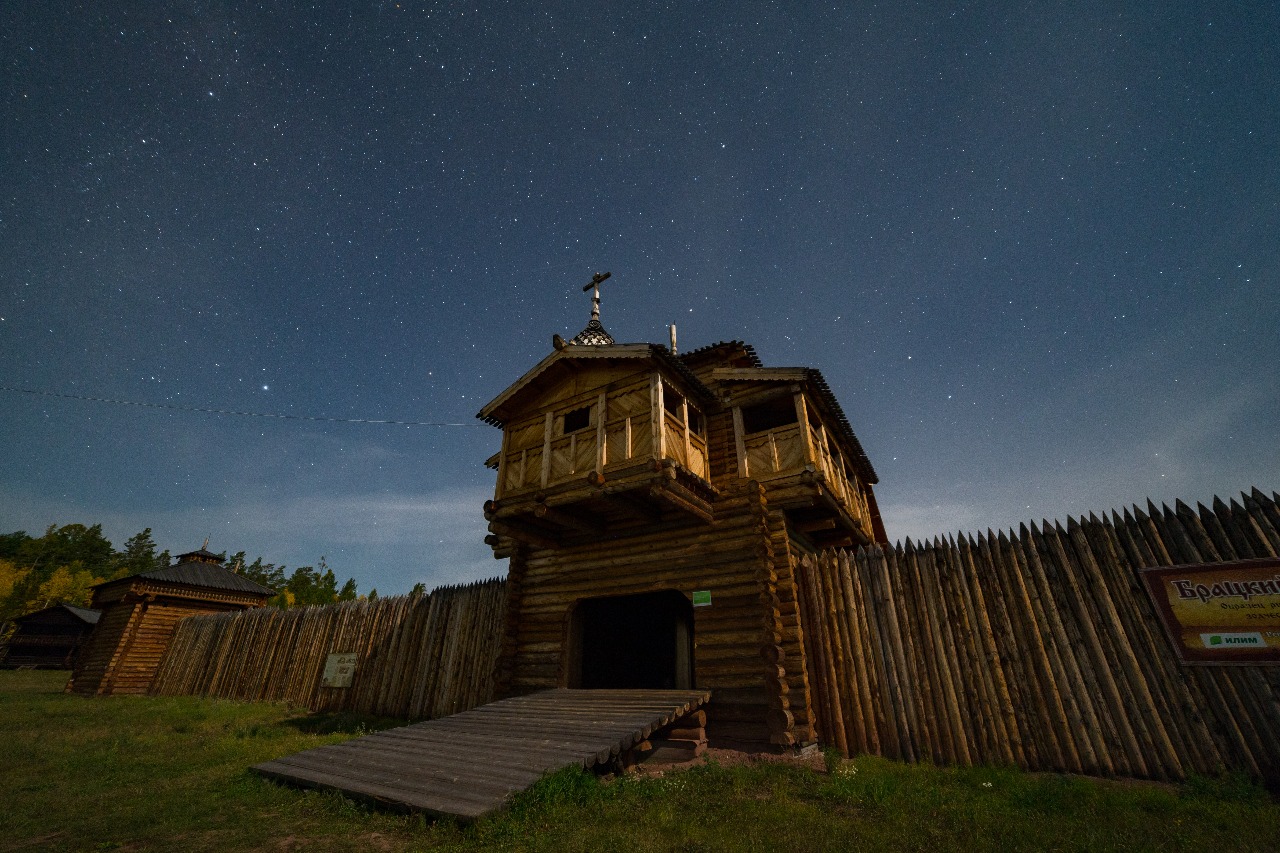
x,y
49,638
133,633
739,639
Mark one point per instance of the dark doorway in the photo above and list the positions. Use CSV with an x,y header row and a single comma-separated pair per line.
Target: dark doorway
x,y
637,642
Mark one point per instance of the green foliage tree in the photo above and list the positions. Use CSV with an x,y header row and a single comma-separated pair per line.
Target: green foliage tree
x,y
70,584
11,544
139,556
64,563
61,546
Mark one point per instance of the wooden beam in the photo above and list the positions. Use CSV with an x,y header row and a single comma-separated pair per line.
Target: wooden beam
x,y
513,529
566,519
816,525
758,374
670,493
632,502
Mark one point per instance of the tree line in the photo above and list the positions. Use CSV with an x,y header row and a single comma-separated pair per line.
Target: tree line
x,y
65,563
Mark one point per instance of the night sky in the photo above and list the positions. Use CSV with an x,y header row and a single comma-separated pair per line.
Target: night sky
x,y
1033,248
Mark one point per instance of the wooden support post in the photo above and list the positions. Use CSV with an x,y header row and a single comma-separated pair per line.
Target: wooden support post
x,y
549,422
802,418
602,411
684,424
657,416
740,442
502,464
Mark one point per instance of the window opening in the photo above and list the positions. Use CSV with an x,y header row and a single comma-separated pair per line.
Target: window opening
x,y
671,400
771,414
577,419
696,422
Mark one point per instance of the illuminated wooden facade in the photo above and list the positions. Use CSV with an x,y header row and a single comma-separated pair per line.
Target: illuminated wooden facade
x,y
634,484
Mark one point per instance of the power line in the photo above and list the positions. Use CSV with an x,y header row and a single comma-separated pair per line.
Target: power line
x,y
233,411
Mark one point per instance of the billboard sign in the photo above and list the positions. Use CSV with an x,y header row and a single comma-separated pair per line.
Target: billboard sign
x,y
1219,613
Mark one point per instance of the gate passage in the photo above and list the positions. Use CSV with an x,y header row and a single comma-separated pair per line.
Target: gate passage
x,y
468,764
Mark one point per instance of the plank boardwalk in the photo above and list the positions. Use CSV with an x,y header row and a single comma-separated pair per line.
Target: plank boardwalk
x,y
466,765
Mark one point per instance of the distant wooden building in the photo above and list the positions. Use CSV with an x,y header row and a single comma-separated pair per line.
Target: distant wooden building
x,y
140,612
49,638
653,507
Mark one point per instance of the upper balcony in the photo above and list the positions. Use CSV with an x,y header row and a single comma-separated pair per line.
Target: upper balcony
x,y
598,432
785,440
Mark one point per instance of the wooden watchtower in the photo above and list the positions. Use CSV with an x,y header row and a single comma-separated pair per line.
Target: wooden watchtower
x,y
140,612
653,507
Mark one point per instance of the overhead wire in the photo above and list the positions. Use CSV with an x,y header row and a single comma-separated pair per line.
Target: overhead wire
x,y
235,412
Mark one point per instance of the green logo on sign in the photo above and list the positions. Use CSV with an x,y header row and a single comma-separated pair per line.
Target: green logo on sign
x,y
1215,640
702,598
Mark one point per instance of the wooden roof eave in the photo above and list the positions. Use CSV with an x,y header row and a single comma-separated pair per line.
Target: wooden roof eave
x,y
497,411
493,412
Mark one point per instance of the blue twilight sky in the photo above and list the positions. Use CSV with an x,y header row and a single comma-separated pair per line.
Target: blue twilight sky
x,y
1032,246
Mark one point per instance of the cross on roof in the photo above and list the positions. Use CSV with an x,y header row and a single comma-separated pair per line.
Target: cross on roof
x,y
594,334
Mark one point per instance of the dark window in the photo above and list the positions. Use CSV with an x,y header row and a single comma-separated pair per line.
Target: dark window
x,y
775,413
577,419
695,421
671,400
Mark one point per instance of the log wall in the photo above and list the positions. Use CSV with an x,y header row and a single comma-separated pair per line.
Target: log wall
x,y
740,641
1039,648
419,657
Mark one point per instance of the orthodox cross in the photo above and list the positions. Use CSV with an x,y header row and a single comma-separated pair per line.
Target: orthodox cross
x,y
594,334
596,281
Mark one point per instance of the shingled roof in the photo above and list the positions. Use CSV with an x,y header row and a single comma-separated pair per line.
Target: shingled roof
x,y
208,576
201,569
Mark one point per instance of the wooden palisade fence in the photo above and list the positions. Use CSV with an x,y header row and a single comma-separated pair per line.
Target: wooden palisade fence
x,y
418,657
1039,649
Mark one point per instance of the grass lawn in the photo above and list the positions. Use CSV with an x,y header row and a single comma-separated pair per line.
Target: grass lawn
x,y
170,774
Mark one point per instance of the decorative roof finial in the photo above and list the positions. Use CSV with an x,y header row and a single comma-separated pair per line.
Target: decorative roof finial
x,y
594,334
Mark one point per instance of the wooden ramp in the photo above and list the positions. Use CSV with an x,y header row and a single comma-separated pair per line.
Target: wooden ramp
x,y
468,764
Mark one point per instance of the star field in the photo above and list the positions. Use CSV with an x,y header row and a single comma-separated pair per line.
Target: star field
x,y
1034,249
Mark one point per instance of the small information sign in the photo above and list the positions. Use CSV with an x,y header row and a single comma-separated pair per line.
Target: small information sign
x,y
1220,613
339,670
702,598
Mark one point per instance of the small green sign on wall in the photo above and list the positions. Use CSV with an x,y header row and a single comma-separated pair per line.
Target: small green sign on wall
x,y
702,598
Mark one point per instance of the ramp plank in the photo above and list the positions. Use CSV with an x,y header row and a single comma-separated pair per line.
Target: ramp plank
x,y
468,764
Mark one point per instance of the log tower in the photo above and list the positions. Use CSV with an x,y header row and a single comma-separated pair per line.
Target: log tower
x,y
653,507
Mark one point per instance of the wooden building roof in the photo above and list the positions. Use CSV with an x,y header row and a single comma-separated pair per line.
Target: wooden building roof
x,y
197,572
745,366
83,614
